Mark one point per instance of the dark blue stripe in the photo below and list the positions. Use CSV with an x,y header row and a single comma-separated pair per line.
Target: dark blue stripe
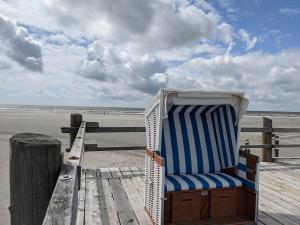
x,y
223,150
204,182
247,183
163,150
197,139
174,144
185,140
242,167
176,184
216,138
208,141
231,149
192,185
233,116
218,183
228,179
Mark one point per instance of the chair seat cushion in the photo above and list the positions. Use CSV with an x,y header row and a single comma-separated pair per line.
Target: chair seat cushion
x,y
183,182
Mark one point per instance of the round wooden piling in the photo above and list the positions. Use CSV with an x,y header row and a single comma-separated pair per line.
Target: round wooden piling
x,y
75,121
35,161
267,139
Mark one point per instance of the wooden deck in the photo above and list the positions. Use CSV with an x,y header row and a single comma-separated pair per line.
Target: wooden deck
x,y
115,195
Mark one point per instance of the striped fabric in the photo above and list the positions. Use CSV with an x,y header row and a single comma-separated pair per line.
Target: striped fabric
x,y
242,175
199,139
200,181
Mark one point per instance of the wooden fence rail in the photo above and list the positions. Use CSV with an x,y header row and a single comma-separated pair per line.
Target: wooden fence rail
x,y
267,131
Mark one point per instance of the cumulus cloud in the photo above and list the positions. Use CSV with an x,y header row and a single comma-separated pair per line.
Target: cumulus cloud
x,y
274,78
245,37
109,63
16,43
150,25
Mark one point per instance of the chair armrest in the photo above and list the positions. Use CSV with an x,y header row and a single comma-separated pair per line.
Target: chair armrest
x,y
154,155
250,165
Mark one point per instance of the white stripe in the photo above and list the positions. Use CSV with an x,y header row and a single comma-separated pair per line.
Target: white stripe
x,y
231,128
191,139
178,132
225,136
211,183
169,184
213,142
242,160
198,184
184,185
242,174
169,153
219,139
205,159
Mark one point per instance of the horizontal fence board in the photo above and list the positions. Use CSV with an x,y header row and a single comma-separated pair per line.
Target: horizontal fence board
x,y
62,208
92,128
94,147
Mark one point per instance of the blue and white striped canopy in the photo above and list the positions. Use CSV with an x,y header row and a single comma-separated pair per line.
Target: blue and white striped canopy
x,y
199,139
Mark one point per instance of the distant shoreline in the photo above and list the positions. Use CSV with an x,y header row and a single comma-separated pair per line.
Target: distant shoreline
x,y
117,110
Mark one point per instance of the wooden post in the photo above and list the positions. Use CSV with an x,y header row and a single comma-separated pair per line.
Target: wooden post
x,y
75,121
267,139
35,162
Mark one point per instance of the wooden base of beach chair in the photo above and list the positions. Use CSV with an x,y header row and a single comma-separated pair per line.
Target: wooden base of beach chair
x,y
214,206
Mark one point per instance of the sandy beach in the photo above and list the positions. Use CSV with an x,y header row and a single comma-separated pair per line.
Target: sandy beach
x,y
49,122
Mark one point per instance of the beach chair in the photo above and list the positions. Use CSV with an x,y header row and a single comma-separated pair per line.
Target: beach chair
x,y
195,171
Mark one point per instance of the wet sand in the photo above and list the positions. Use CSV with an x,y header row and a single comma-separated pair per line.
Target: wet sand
x,y
12,122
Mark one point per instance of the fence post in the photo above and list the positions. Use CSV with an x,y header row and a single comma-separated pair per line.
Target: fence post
x,y
75,121
267,139
35,162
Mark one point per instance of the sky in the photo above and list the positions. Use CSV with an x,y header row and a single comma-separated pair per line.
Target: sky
x,y
120,53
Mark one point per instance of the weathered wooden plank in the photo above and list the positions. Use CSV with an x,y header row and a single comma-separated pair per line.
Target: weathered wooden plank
x,y
136,201
135,171
104,129
81,201
76,154
126,172
92,128
110,203
105,173
115,172
95,148
92,206
62,208
102,202
280,196
280,187
139,185
278,212
267,219
123,206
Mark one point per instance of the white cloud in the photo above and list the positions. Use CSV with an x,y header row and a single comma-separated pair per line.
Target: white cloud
x,y
250,42
150,25
107,63
270,80
289,11
16,43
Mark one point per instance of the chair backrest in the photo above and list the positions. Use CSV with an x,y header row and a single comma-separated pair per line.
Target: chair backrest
x,y
199,139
